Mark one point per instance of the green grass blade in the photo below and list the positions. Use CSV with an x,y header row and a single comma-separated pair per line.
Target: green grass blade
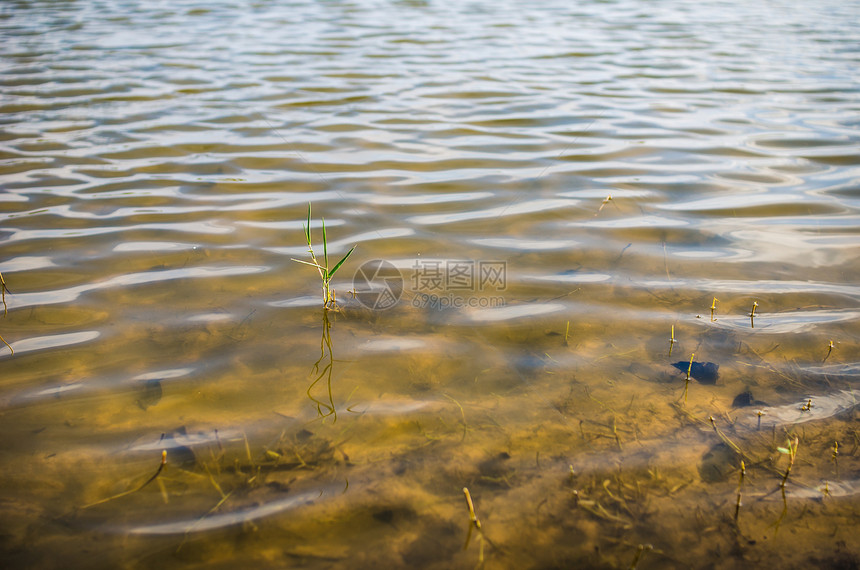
x,y
308,227
325,245
339,263
317,265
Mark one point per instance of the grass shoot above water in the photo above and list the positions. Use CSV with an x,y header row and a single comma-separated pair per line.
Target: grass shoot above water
x,y
326,274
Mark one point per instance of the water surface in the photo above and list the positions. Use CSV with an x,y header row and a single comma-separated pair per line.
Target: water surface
x,y
556,190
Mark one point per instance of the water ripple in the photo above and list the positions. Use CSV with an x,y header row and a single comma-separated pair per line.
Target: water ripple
x,y
53,341
226,519
70,294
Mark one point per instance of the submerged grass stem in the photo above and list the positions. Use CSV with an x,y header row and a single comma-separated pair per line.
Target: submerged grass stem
x,y
3,289
791,451
136,489
687,381
740,489
672,340
473,518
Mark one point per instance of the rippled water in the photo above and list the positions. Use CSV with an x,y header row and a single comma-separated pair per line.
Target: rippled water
x,y
559,189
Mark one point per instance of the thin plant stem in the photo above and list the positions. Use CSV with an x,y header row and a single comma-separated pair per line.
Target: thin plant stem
x,y
4,288
640,550
687,381
136,489
830,348
7,344
471,506
327,356
672,340
740,489
792,455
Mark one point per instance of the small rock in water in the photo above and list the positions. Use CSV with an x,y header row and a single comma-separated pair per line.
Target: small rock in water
x,y
704,372
150,394
495,469
177,452
745,399
528,363
717,463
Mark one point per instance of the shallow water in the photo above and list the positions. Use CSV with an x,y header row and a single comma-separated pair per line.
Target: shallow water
x,y
555,191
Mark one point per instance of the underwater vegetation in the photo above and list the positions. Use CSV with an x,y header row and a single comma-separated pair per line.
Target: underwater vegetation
x,y
614,465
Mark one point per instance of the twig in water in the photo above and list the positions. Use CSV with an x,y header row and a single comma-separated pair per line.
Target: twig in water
x,y
136,489
726,439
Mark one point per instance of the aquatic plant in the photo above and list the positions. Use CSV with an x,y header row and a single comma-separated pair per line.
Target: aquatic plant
x,y
474,523
687,381
605,201
740,490
830,348
791,451
672,340
326,274
640,550
473,518
4,288
835,457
